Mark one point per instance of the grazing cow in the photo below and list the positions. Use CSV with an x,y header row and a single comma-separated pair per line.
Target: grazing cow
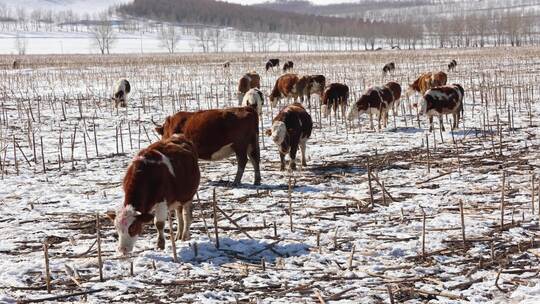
x,y
335,95
285,87
452,65
219,133
162,177
254,98
291,129
248,81
289,65
272,63
310,84
377,100
16,64
226,64
427,81
442,100
121,91
389,67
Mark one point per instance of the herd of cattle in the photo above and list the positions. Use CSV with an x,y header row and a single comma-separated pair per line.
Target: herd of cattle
x,y
165,175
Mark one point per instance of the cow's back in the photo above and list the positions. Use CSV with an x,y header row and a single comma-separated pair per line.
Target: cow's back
x,y
212,130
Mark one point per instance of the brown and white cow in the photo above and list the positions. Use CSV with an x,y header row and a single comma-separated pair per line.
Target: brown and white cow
x,y
335,95
288,65
164,176
121,91
248,81
291,128
443,100
295,87
389,67
427,81
377,100
452,65
219,133
271,63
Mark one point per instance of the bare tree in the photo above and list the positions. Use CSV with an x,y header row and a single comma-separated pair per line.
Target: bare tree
x,y
203,38
103,34
216,39
169,38
20,44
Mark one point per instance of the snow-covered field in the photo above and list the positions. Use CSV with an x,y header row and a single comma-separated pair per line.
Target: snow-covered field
x,y
340,248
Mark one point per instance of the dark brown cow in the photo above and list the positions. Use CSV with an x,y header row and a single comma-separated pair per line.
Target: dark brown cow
x,y
289,65
389,67
219,133
377,100
248,81
162,177
427,81
271,63
291,129
443,100
452,65
335,95
16,64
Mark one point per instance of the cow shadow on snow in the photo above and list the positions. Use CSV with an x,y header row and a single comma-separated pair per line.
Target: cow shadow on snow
x,y
231,250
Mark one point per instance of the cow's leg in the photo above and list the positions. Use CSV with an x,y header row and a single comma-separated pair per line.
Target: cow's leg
x,y
303,150
292,154
371,119
241,159
179,222
430,123
282,160
161,213
441,123
254,156
309,101
187,217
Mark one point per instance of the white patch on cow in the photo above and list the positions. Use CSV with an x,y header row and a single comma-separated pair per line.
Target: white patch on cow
x,y
124,218
279,130
325,110
223,152
167,162
253,97
315,88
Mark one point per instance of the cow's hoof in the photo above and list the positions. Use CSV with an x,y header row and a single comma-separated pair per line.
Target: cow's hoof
x,y
304,164
293,166
282,168
161,244
257,183
235,184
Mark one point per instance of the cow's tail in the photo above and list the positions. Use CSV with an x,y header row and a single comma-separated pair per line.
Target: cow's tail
x,y
159,128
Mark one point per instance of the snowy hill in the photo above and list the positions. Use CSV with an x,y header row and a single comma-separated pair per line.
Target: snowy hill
x,y
77,6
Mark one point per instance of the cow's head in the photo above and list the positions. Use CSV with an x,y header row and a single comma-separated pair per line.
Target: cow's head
x,y
278,132
129,225
254,98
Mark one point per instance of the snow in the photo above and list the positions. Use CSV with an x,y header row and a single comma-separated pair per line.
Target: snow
x,y
330,197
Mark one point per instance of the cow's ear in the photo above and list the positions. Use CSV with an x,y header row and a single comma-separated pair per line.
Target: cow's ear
x,y
268,132
111,215
145,218
159,130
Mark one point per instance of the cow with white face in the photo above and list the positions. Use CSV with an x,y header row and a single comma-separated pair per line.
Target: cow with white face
x,y
291,129
254,98
165,176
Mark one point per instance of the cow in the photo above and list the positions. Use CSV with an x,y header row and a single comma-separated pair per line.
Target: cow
x,y
271,63
442,100
254,98
389,67
121,91
164,176
376,100
248,81
226,64
452,65
293,86
427,81
16,64
334,96
289,65
219,133
285,87
291,128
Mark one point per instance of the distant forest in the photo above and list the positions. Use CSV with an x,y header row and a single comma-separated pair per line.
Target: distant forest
x,y
255,19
